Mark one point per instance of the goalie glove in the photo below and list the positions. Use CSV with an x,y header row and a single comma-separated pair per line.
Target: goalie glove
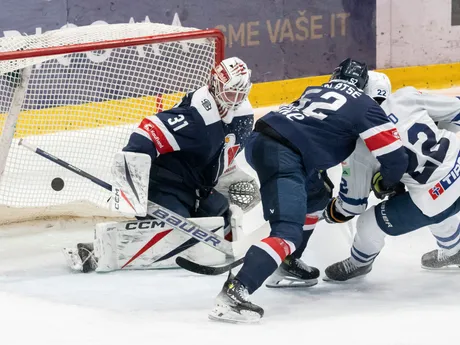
x,y
244,194
332,216
381,192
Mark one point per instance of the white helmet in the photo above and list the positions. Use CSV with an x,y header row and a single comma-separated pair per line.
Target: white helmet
x,y
378,87
230,84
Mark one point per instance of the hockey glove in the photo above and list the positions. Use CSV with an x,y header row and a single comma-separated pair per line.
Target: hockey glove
x,y
327,181
332,216
381,192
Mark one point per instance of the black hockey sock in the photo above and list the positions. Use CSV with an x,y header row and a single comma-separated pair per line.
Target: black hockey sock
x,y
299,251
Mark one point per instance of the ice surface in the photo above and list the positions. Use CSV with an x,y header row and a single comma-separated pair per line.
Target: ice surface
x,y
42,302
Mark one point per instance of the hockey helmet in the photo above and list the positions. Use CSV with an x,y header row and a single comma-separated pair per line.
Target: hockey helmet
x,y
230,84
351,71
378,87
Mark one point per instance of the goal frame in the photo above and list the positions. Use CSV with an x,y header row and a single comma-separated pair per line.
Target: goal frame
x,y
8,131
127,42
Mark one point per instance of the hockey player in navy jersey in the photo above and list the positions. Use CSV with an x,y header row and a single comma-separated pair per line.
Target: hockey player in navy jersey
x,y
293,272
432,182
193,143
191,146
290,146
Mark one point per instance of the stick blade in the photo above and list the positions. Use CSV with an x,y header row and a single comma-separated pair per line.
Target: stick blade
x,y
207,270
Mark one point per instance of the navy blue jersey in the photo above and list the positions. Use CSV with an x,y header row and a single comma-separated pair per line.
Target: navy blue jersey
x,y
325,122
189,144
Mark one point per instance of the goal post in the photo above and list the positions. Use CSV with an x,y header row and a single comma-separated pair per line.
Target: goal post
x,y
78,93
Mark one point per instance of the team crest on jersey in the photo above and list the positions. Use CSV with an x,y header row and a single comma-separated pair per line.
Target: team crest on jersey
x,y
436,191
395,133
346,171
447,181
206,104
231,149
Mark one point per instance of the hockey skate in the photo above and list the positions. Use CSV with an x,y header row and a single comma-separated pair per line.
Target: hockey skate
x,y
293,273
232,304
81,258
440,259
345,270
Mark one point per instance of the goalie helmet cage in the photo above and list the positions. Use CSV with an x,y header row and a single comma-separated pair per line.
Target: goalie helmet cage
x,y
78,93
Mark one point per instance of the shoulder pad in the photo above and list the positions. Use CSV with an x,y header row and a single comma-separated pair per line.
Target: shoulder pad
x,y
245,109
204,103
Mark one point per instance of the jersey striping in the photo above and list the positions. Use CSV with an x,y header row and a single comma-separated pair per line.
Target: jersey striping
x,y
324,124
190,143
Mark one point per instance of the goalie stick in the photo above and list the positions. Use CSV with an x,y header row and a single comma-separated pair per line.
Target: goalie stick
x,y
161,213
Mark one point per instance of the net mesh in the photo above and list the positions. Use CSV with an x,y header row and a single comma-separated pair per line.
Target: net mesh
x,y
82,107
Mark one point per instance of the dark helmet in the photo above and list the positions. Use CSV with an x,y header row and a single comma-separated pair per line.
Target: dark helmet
x,y
352,71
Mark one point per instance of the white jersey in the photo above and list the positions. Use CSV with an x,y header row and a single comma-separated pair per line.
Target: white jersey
x,y
357,172
433,176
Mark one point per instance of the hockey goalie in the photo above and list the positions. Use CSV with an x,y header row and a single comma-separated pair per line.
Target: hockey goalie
x,y
184,160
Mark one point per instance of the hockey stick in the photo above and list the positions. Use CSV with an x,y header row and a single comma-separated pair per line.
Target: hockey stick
x,y
240,248
207,270
161,213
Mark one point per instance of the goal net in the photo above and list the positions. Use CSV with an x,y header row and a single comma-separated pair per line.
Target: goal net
x,y
88,88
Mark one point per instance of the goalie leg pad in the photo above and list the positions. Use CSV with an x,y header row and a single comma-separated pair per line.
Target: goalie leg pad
x,y
151,244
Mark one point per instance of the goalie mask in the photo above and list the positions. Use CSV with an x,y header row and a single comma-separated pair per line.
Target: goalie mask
x,y
378,86
230,85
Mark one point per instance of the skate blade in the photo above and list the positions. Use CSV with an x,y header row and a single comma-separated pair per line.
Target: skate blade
x,y
450,268
73,259
351,280
226,314
291,283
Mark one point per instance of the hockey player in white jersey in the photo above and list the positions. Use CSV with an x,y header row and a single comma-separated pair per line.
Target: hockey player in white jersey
x,y
433,189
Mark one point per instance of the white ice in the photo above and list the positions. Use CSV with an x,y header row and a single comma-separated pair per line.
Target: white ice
x,y
42,302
